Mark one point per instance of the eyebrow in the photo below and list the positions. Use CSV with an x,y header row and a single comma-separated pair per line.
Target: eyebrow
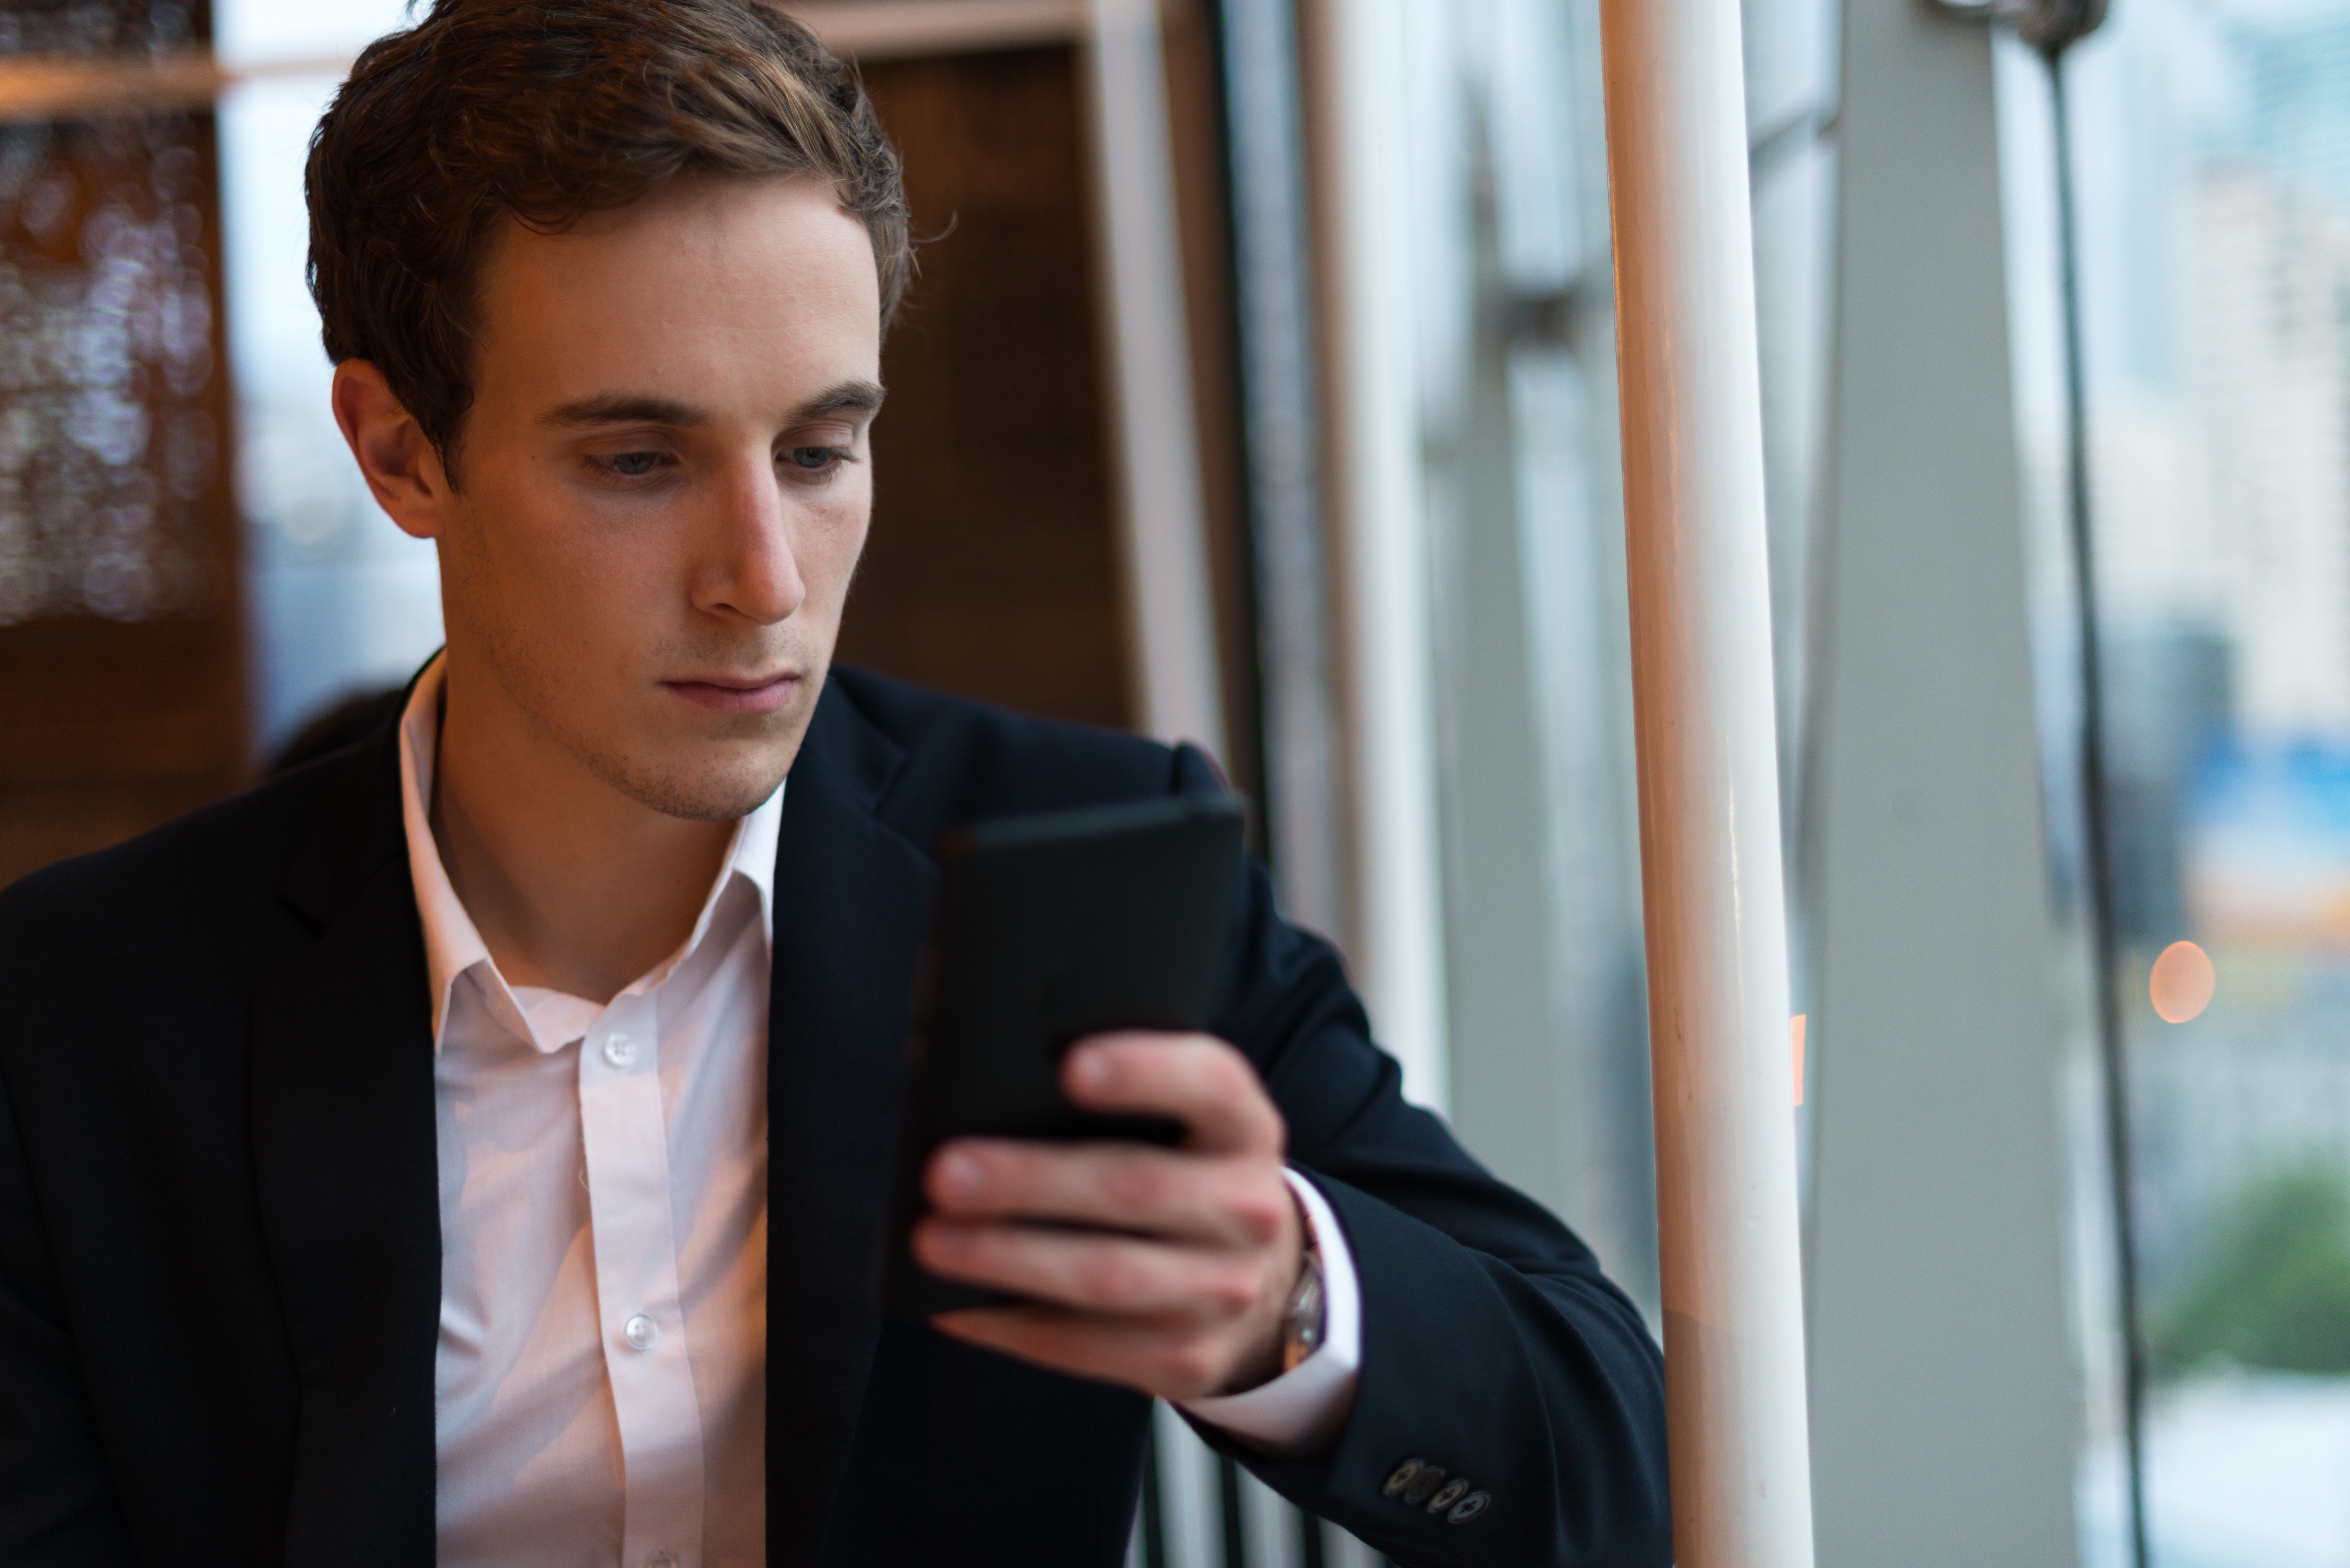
x,y
850,397
854,396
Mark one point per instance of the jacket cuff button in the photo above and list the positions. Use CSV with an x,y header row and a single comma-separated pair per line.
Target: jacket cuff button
x,y
1429,1478
1401,1477
1468,1508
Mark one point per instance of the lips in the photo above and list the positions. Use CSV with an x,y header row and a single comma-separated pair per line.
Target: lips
x,y
737,694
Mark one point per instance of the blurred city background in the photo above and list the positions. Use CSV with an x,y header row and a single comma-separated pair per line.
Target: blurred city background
x,y
1368,322
2212,162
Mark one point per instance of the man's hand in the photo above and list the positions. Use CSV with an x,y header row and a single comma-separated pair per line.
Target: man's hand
x,y
1180,1287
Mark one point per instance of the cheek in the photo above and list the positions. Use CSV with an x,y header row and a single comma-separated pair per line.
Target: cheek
x,y
832,539
544,570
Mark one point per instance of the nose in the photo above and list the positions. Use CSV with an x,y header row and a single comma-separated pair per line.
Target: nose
x,y
749,570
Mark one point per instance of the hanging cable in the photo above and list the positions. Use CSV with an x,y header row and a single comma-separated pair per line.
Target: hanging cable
x,y
2097,830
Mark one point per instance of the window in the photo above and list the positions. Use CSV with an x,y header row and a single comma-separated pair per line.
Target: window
x,y
2212,165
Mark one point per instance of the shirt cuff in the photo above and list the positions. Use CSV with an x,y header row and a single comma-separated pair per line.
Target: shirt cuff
x,y
1300,1410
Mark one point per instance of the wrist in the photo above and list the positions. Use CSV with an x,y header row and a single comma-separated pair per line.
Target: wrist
x,y
1298,1319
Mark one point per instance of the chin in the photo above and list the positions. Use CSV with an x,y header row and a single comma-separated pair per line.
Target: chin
x,y
732,782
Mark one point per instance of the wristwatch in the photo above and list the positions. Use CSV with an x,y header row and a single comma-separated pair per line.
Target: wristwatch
x,y
1300,1324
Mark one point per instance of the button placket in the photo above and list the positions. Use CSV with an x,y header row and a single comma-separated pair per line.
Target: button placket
x,y
624,1131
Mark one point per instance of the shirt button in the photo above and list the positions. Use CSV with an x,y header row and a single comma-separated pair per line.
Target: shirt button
x,y
641,1333
661,1560
621,1051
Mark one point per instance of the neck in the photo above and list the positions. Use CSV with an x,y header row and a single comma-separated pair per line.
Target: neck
x,y
573,885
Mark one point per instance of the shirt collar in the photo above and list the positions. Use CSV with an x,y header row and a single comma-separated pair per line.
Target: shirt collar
x,y
453,946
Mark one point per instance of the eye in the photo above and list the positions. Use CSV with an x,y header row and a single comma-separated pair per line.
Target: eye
x,y
631,464
815,459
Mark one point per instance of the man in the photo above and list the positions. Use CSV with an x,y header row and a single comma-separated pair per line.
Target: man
x,y
473,1147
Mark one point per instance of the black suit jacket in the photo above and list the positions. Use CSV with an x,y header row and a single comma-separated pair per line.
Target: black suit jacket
x,y
219,1233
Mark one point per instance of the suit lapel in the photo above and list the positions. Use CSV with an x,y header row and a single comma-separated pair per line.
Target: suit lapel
x,y
852,900
346,1163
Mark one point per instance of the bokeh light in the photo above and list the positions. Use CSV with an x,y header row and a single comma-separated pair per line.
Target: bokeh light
x,y
1796,1050
2182,985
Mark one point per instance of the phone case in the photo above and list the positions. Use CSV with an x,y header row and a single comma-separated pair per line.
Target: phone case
x,y
1048,929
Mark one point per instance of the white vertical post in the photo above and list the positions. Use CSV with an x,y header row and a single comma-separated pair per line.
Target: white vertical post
x,y
1163,520
1704,714
1365,213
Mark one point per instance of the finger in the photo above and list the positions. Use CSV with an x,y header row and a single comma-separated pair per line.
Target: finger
x,y
1174,1361
1240,1202
1096,1271
1196,1079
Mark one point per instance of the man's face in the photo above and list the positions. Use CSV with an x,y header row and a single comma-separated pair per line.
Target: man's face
x,y
667,479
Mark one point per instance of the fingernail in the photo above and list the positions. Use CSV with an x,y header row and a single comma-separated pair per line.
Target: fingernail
x,y
1091,1069
946,1237
958,1174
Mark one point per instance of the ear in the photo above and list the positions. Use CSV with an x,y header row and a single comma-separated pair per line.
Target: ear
x,y
401,467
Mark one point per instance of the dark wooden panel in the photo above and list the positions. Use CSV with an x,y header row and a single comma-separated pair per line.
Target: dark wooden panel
x,y
120,665
991,570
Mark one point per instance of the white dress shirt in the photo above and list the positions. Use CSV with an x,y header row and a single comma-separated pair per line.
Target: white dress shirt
x,y
600,1376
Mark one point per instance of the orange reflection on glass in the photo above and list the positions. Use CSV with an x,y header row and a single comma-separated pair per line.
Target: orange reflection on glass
x,y
2182,982
1795,1049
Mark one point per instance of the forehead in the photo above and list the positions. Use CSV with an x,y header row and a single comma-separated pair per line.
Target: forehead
x,y
755,285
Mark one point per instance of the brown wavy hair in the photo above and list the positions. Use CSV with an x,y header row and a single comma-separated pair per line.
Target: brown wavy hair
x,y
543,111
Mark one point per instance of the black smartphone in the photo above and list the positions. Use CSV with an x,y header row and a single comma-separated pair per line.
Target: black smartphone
x,y
1048,929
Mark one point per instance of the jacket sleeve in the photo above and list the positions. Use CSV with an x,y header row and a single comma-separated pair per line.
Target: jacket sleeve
x,y
57,1505
1493,1348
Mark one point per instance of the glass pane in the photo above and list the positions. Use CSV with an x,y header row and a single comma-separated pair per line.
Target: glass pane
x,y
1513,331
2212,159
1790,115
110,26
1513,335
106,371
340,600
